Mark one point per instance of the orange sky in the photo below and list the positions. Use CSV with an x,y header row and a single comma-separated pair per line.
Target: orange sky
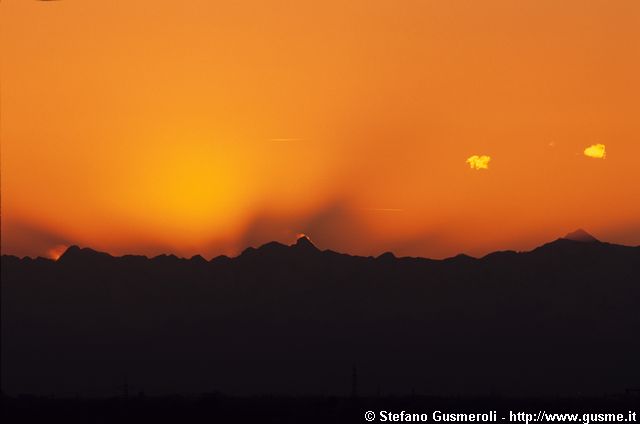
x,y
204,127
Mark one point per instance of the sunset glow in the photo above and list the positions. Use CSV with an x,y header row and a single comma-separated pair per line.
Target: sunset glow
x,y
56,251
205,127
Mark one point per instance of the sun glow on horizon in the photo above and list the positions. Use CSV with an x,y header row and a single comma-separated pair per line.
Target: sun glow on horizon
x,y
56,251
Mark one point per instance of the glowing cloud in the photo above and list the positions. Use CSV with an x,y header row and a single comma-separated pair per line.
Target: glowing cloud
x,y
596,151
479,162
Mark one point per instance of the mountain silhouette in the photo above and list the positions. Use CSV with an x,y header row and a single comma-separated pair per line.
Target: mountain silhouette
x,y
75,254
294,319
304,243
581,236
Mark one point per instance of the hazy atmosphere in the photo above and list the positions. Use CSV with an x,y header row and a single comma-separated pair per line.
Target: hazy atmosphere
x,y
420,127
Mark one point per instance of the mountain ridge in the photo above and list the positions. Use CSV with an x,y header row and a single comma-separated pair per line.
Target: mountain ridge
x,y
303,243
293,319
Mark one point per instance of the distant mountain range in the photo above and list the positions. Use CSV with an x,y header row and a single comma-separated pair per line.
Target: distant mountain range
x,y
560,319
78,254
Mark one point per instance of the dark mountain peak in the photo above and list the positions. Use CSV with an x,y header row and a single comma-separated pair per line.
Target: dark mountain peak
x,y
267,250
248,251
165,257
581,236
387,256
198,259
78,254
463,256
220,259
71,250
576,241
303,242
272,245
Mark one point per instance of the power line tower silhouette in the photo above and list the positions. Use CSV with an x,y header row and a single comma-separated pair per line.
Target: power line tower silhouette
x,y
354,382
125,387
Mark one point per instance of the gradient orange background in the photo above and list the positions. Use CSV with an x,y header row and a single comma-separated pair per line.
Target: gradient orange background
x,y
204,127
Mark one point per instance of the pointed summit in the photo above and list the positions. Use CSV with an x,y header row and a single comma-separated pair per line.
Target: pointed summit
x,y
303,242
581,236
70,253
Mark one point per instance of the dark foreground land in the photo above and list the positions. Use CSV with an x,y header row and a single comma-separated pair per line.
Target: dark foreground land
x,y
561,320
268,409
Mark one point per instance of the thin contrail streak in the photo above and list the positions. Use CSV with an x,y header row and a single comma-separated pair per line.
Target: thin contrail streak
x,y
384,209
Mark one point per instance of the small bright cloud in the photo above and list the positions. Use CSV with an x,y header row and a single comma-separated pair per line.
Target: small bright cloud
x,y
479,162
596,151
